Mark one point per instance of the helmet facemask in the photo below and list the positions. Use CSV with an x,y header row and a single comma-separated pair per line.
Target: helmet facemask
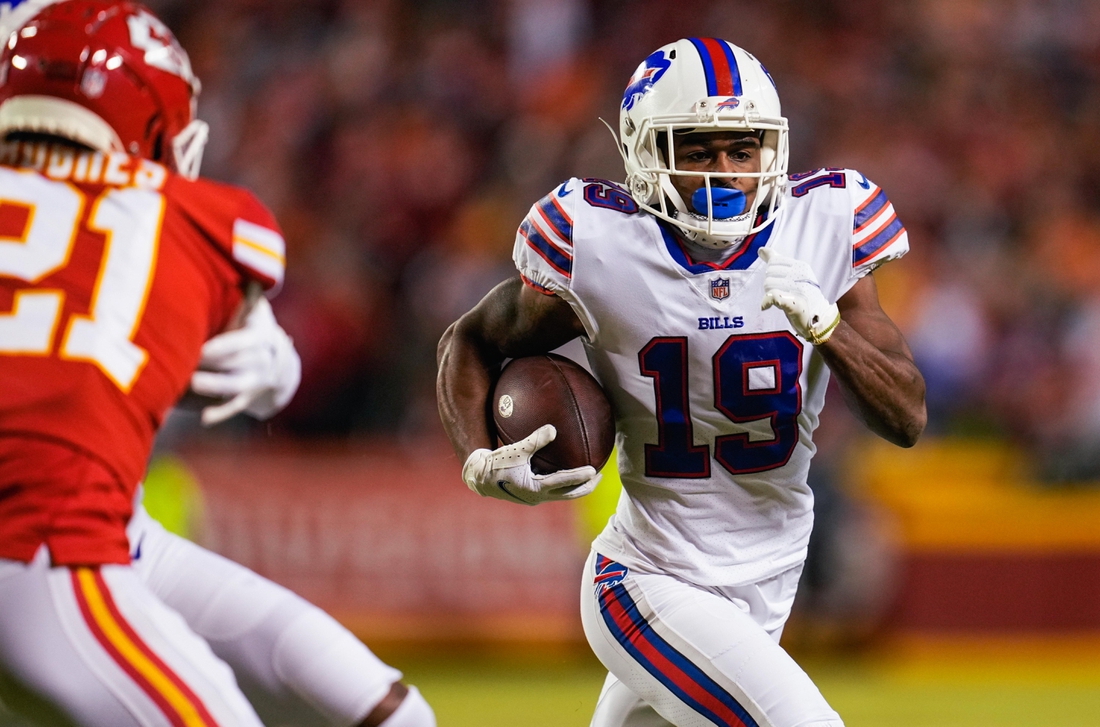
x,y
651,165
188,146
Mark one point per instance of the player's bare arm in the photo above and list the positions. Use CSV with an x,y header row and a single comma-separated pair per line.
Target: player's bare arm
x,y
512,320
874,366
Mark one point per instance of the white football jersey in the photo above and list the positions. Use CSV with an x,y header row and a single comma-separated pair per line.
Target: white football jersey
x,y
715,401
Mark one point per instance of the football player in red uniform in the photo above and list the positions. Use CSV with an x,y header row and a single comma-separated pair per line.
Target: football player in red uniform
x,y
117,264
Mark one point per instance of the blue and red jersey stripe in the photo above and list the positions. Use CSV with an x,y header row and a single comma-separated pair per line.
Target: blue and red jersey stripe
x,y
668,665
536,286
892,230
719,66
867,211
556,216
558,258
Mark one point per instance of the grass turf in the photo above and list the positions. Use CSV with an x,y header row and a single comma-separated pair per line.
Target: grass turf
x,y
940,692
976,693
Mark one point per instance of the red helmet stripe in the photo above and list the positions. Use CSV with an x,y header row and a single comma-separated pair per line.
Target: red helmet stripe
x,y
723,75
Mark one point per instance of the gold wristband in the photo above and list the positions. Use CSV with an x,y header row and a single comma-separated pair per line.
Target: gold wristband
x,y
819,338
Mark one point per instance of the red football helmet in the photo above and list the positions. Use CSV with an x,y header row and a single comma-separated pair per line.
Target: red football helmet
x,y
106,74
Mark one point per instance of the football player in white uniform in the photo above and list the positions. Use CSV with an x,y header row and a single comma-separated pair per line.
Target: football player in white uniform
x,y
714,295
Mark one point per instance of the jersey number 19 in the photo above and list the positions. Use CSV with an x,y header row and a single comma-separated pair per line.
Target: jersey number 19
x,y
756,377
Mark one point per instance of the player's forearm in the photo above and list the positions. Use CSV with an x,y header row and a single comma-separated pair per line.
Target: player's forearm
x,y
463,384
884,389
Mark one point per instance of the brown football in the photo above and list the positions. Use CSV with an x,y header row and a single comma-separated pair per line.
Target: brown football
x,y
551,389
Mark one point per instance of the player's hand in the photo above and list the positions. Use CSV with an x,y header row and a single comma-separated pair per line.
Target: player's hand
x,y
505,473
255,367
791,286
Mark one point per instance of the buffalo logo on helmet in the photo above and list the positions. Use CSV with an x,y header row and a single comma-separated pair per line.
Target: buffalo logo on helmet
x,y
728,105
720,288
643,79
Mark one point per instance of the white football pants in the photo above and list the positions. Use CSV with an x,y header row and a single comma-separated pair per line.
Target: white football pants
x,y
173,639
294,662
95,647
683,655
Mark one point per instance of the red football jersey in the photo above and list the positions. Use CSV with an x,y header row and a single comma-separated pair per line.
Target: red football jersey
x,y
113,273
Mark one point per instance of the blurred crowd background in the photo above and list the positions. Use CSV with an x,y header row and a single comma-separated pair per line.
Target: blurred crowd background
x,y
401,143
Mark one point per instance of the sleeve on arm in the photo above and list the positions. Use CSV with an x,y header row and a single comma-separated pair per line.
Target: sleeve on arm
x,y
543,251
239,226
878,236
257,244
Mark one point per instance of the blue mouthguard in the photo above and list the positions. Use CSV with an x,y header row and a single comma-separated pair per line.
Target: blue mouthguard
x,y
727,202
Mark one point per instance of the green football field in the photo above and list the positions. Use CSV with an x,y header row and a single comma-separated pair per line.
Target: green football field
x,y
946,692
993,692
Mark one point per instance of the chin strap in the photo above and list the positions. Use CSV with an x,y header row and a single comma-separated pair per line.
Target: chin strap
x,y
188,146
618,144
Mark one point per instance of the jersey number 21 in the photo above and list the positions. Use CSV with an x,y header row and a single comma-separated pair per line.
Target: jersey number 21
x,y
130,219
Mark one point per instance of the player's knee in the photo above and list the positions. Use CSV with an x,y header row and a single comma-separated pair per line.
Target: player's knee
x,y
413,711
317,658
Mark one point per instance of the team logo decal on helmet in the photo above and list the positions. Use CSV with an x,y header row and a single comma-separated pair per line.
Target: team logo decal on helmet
x,y
162,50
647,74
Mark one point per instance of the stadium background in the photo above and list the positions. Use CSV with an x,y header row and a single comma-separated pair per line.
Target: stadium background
x,y
400,143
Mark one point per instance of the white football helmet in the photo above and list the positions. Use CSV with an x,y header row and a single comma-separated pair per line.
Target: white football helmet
x,y
699,85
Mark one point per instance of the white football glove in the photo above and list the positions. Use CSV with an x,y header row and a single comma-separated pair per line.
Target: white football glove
x,y
255,367
791,286
505,473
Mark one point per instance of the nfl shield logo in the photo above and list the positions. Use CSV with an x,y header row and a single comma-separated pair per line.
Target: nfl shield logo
x,y
720,288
